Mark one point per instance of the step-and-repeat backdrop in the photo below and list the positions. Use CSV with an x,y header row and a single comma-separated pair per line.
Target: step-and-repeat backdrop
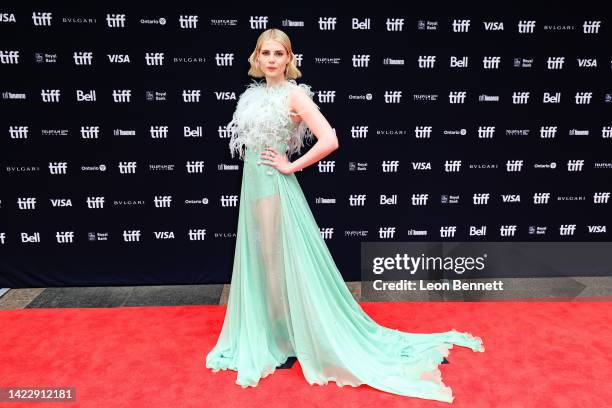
x,y
453,126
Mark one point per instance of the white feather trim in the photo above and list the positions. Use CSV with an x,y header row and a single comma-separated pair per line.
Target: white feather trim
x,y
262,117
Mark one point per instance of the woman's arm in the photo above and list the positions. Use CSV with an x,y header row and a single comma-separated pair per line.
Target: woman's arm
x,y
327,141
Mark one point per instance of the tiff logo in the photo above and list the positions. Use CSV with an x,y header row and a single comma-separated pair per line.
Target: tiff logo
x,y
327,23
195,166
18,132
131,235
90,132
58,168
422,132
26,203
228,200
196,234
326,233
115,20
326,166
393,96
461,26
41,18
127,167
426,61
567,229
386,232
95,202
9,57
82,57
64,237
541,198
591,27
50,95
394,24
360,60
188,21
526,26
224,60
162,201
154,58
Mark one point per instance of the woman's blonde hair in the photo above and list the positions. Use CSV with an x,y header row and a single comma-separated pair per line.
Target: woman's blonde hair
x,y
291,70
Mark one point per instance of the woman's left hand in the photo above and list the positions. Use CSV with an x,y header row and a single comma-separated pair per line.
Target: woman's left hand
x,y
274,159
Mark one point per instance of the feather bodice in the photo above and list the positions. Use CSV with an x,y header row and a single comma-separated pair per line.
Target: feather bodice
x,y
263,118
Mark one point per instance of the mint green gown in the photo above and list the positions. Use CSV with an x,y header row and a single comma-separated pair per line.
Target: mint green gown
x,y
287,297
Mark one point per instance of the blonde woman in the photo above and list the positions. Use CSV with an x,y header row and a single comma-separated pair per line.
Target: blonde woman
x,y
287,297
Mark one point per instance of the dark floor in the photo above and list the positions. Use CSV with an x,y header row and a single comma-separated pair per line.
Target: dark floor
x,y
577,288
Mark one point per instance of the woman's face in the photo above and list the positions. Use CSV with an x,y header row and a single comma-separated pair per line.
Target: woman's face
x,y
273,58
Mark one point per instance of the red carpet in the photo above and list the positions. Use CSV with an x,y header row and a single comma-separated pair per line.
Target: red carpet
x,y
538,354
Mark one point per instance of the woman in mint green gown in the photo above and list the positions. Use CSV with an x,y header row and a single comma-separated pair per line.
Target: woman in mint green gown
x,y
287,297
